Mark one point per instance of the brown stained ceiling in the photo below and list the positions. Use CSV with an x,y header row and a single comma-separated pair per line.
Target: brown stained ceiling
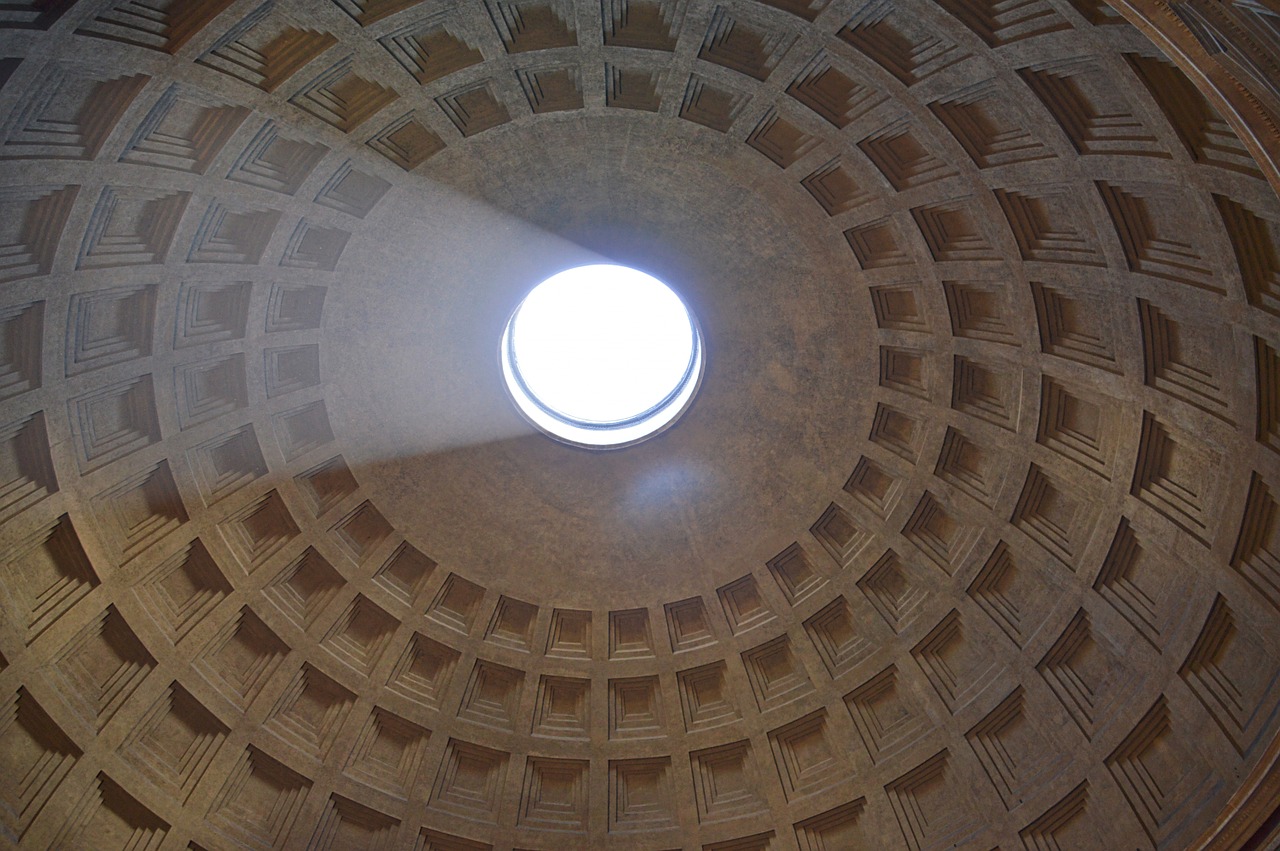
x,y
969,539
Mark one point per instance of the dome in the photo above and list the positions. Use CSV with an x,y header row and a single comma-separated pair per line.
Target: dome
x,y
968,540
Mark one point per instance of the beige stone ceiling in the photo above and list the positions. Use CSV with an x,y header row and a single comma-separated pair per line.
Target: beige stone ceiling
x,y
969,541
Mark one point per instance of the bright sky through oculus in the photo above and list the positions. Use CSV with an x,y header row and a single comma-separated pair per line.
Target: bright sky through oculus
x,y
601,355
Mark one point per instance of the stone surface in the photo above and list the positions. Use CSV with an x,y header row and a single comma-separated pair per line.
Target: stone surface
x,y
969,539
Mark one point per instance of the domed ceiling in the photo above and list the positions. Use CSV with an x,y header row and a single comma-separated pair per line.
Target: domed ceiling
x,y
968,541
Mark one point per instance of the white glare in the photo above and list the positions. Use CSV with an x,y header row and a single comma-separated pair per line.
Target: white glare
x,y
602,356
602,344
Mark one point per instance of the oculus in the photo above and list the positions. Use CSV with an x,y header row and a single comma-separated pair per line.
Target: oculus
x,y
602,356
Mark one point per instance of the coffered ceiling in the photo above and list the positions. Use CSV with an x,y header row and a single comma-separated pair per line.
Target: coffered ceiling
x,y
969,540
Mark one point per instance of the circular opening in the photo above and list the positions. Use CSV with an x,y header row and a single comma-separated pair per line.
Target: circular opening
x,y
602,356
